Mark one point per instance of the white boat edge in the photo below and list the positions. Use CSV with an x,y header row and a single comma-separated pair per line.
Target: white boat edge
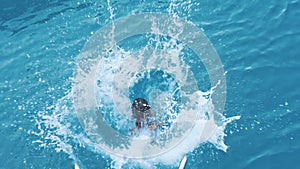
x,y
182,163
76,166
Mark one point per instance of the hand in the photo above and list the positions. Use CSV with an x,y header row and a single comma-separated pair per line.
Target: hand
x,y
152,126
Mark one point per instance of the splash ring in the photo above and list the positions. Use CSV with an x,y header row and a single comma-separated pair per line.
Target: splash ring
x,y
106,138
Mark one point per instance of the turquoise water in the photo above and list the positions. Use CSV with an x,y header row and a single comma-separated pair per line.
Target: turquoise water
x,y
257,43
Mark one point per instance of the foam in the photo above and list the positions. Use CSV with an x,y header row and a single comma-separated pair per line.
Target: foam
x,y
109,80
56,131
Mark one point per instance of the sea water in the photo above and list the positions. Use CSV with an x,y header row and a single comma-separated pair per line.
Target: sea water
x,y
256,41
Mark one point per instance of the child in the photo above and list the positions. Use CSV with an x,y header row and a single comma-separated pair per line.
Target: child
x,y
141,112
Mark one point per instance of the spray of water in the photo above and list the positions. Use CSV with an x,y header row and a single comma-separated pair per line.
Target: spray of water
x,y
98,107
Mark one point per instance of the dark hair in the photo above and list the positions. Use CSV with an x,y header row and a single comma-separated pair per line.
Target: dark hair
x,y
140,104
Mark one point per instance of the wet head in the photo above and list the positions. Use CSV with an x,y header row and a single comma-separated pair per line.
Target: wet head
x,y
141,111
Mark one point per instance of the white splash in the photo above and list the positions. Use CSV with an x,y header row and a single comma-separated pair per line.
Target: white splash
x,y
55,126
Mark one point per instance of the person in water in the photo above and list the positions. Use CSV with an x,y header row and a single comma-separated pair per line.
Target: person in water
x,y
141,111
